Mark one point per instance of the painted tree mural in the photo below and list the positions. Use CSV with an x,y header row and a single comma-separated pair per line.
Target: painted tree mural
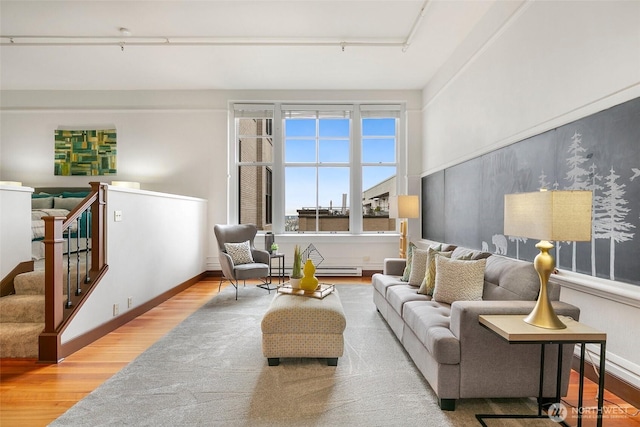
x,y
614,212
577,175
597,213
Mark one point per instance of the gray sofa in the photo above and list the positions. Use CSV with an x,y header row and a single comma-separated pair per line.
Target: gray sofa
x,y
459,357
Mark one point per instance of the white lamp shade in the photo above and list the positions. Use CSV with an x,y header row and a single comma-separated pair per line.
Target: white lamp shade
x,y
404,207
549,215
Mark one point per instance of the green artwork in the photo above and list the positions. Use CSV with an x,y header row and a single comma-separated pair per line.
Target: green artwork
x,y
85,152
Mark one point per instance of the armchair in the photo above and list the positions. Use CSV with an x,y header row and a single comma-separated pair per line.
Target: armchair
x,y
234,272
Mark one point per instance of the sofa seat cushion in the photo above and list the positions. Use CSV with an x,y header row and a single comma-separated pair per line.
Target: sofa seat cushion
x,y
381,282
397,296
430,321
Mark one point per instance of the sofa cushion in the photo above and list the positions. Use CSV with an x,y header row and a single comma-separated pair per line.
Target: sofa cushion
x,y
381,282
458,280
397,296
510,279
429,322
460,252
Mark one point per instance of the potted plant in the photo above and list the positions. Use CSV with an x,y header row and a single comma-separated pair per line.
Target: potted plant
x,y
274,248
296,270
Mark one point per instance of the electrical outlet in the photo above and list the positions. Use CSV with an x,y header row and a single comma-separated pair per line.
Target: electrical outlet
x,y
116,310
117,216
129,302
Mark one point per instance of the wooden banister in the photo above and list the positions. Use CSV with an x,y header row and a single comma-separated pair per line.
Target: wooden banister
x,y
57,314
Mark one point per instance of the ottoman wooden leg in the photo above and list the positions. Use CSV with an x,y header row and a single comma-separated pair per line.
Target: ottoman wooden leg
x,y
275,361
332,361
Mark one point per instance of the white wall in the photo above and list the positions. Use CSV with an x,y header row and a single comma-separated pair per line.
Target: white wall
x,y
526,68
159,244
175,142
15,227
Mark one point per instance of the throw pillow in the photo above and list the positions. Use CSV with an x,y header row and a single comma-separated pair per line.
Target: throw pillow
x,y
418,267
240,252
66,203
429,281
42,202
407,269
458,280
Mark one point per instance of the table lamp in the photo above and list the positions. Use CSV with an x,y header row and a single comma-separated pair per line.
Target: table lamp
x,y
547,215
404,207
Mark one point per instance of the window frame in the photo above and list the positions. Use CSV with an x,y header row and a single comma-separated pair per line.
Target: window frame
x,y
277,165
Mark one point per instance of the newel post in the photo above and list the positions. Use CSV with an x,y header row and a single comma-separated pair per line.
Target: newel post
x,y
97,227
49,342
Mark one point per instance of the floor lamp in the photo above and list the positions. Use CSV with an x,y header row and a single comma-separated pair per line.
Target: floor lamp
x,y
547,215
404,207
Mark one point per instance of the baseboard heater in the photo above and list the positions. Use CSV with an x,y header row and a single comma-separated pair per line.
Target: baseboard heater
x,y
333,271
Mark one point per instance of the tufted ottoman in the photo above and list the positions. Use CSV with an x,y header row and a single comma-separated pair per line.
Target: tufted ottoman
x,y
298,326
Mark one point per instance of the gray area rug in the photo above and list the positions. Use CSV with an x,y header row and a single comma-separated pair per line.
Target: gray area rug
x,y
209,371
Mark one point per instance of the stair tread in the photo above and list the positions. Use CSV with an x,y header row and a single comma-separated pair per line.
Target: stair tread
x,y
19,339
22,309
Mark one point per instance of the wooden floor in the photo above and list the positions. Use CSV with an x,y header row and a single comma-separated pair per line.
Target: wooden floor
x,y
32,394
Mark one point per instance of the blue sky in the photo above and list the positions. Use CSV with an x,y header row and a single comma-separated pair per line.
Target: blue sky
x,y
378,145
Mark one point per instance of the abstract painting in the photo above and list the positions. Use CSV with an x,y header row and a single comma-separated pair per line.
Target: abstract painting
x,y
85,152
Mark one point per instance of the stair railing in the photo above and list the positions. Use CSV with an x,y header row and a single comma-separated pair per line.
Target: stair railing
x,y
60,310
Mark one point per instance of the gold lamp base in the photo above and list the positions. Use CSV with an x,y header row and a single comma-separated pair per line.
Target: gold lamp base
x,y
543,315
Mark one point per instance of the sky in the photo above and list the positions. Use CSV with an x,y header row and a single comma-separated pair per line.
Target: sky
x,y
329,145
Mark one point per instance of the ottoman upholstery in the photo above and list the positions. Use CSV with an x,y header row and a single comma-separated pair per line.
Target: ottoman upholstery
x,y
298,326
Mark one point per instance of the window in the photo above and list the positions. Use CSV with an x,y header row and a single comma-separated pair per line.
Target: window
x,y
254,162
317,147
316,168
379,166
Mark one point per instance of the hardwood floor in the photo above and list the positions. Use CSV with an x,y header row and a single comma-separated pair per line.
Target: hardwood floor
x,y
33,394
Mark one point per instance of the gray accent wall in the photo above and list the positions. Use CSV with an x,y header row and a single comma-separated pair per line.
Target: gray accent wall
x,y
463,204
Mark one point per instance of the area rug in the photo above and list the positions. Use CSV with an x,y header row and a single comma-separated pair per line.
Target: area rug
x,y
209,371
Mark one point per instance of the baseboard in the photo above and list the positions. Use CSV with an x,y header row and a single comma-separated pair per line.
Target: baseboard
x,y
628,392
218,273
83,340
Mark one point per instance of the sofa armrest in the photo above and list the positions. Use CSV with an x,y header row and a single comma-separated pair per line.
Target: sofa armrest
x,y
492,367
394,266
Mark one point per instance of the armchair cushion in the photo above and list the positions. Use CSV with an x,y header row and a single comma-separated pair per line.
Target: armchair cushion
x,y
240,253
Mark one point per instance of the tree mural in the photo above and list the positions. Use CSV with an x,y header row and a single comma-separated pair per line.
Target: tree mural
x,y
597,213
614,212
577,175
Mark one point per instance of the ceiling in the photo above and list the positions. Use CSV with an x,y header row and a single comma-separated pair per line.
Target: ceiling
x,y
226,44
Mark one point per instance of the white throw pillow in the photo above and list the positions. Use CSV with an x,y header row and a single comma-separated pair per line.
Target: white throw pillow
x,y
418,266
240,252
458,280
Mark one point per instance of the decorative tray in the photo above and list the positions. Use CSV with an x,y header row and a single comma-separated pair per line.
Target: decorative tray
x,y
321,291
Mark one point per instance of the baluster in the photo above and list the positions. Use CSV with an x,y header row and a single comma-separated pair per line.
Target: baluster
x,y
87,229
68,253
78,290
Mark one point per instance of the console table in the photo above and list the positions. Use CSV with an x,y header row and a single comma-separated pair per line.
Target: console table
x,y
515,330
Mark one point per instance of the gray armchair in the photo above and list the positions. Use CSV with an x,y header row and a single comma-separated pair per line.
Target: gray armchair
x,y
259,269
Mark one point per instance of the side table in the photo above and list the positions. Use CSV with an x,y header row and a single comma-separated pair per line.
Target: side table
x,y
280,270
515,330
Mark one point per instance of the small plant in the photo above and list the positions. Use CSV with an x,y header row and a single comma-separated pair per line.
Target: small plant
x,y
274,248
296,270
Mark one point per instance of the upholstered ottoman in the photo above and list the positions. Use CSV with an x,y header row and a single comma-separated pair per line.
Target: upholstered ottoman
x,y
298,326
